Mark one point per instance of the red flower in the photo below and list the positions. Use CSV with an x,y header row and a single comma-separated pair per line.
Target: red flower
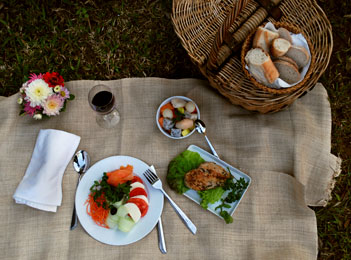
x,y
53,79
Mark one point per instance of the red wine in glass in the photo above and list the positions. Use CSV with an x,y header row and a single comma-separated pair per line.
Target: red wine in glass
x,y
102,100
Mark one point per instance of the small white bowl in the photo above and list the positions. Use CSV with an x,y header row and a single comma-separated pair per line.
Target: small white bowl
x,y
168,100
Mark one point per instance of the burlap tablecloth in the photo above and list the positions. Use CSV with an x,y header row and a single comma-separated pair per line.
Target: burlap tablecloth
x,y
287,155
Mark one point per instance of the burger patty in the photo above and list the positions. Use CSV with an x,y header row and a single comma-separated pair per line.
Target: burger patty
x,y
207,176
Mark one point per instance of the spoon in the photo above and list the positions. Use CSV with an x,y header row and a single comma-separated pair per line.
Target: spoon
x,y
81,163
201,128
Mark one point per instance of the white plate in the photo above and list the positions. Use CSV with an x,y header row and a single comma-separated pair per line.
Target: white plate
x,y
194,196
114,236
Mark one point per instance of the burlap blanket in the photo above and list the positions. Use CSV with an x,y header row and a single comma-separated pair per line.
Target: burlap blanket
x,y
287,155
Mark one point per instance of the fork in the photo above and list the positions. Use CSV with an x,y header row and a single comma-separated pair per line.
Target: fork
x,y
153,179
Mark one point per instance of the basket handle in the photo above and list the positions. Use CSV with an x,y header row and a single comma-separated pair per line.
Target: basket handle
x,y
223,31
219,51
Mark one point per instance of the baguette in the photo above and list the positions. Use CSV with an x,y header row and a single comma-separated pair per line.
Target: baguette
x,y
287,71
285,34
261,66
287,59
299,54
279,47
263,38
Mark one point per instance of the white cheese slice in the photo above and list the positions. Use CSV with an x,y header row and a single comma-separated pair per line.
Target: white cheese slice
x,y
133,211
141,197
136,185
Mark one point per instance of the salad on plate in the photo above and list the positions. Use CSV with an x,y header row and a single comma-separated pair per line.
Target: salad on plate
x,y
119,200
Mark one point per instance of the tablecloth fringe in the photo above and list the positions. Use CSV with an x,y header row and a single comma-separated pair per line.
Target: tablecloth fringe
x,y
335,165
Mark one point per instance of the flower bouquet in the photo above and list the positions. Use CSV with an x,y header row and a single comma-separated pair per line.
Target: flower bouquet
x,y
43,95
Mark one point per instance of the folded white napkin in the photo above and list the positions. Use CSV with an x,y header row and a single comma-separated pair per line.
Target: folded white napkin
x,y
41,186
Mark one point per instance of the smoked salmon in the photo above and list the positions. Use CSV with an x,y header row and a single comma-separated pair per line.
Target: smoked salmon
x,y
121,175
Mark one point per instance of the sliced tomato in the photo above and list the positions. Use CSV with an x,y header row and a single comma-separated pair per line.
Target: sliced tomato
x,y
142,205
137,179
137,191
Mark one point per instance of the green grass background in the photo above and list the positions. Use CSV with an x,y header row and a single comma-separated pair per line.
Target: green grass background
x,y
116,39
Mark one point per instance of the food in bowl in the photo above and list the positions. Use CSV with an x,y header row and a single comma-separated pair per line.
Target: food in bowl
x,y
176,117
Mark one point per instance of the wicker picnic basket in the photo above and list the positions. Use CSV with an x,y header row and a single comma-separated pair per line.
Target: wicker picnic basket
x,y
213,32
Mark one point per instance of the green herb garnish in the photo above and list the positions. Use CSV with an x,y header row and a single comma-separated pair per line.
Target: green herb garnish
x,y
236,190
111,193
178,116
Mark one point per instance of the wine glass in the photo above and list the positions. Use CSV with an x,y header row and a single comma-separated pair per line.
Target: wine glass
x,y
103,102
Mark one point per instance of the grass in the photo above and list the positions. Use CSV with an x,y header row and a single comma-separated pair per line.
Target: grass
x,y
116,39
334,228
89,40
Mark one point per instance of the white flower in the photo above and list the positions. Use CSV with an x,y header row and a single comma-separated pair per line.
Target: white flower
x,y
24,85
37,92
19,100
37,116
57,88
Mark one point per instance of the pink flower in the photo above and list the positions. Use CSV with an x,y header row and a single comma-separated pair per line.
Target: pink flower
x,y
34,76
53,105
64,93
30,110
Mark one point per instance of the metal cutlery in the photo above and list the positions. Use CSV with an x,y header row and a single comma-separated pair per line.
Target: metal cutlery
x,y
201,128
157,184
161,237
81,163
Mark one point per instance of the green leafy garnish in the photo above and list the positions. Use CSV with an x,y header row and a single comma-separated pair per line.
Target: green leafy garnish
x,y
225,215
236,190
111,193
178,116
180,165
210,196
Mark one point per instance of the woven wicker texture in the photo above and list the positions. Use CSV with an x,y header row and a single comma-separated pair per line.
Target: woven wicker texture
x,y
203,28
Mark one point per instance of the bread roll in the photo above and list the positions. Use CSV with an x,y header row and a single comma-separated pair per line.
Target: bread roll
x,y
279,47
261,66
263,38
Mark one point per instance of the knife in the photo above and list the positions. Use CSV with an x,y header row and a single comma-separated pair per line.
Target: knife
x,y
161,236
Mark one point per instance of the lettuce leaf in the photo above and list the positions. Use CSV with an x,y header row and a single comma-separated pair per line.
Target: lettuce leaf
x,y
210,196
180,165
